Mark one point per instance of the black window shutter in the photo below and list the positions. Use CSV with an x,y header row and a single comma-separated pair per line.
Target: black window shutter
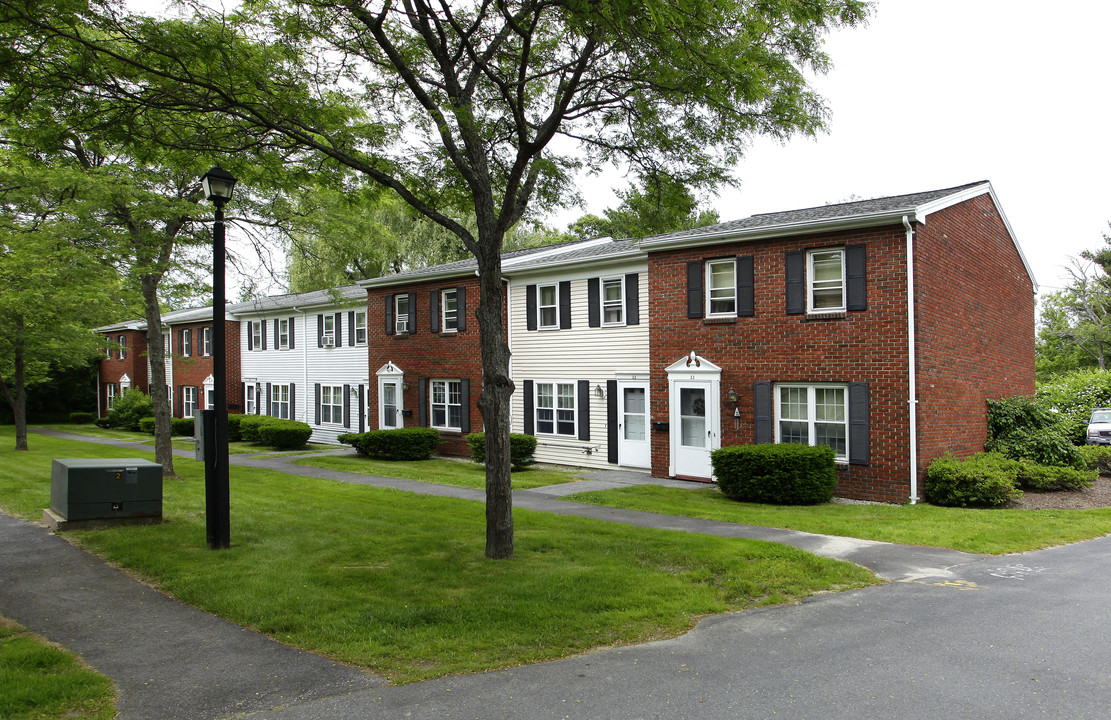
x,y
611,418
530,307
422,402
351,328
434,310
316,418
250,336
584,409
465,401
346,406
320,331
292,336
632,299
593,302
389,315
565,305
277,339
243,394
856,280
412,313
362,409
859,433
258,398
338,329
529,413
269,409
461,303
292,401
746,286
793,261
694,289
762,397
262,326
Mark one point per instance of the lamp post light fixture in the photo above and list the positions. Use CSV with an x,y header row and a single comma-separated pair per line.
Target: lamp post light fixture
x,y
218,186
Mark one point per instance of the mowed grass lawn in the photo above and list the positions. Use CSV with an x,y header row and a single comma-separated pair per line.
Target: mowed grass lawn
x,y
971,530
445,472
397,583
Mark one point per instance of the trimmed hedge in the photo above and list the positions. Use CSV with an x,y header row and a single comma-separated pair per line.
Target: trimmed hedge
x,y
182,426
1052,478
146,425
398,444
521,449
783,474
284,434
82,418
233,427
249,425
983,480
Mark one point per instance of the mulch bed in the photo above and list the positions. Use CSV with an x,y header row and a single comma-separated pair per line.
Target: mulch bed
x,y
1099,495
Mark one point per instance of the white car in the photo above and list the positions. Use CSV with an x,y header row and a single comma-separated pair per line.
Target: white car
x,y
1099,427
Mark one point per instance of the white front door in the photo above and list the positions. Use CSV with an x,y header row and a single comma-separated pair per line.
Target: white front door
x,y
633,444
389,397
694,389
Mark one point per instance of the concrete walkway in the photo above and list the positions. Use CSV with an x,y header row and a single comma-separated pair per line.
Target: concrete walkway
x,y
173,661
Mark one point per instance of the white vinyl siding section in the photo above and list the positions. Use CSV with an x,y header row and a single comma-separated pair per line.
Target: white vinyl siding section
x,y
595,354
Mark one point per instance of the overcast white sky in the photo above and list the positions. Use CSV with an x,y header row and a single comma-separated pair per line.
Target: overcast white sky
x,y
936,93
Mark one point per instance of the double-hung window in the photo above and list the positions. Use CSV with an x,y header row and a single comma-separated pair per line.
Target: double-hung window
x,y
166,344
401,313
249,399
555,408
331,404
359,324
813,415
548,307
279,401
447,404
721,287
613,301
449,310
256,335
188,401
283,333
826,271
123,347
206,341
186,343
328,330
110,395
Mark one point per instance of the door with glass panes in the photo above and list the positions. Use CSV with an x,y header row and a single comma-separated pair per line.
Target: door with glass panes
x,y
633,442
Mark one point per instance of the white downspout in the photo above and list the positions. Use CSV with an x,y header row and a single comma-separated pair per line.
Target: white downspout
x,y
912,385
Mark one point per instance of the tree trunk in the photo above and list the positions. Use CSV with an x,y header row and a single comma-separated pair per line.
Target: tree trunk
x,y
163,442
493,403
17,396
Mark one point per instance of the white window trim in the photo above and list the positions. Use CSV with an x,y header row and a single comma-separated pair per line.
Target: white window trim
x,y
187,342
810,278
540,307
401,319
283,333
391,374
249,397
811,414
110,396
335,412
619,304
122,353
275,390
206,342
443,310
731,262
360,327
209,388
256,335
555,407
188,401
446,404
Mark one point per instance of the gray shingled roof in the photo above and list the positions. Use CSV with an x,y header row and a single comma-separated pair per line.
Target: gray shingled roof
x,y
823,213
314,298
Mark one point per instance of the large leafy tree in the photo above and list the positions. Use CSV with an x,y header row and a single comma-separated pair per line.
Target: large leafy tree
x,y
1075,322
486,109
657,204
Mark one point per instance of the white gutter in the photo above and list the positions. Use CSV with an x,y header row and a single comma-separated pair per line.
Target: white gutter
x,y
912,389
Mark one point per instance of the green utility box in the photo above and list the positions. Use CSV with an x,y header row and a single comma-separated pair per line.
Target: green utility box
x,y
106,489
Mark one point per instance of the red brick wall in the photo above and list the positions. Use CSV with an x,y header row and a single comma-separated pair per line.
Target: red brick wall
x,y
856,346
975,326
134,365
424,354
194,369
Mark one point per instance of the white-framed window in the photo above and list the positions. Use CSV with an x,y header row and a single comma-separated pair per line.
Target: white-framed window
x,y
166,345
110,395
108,350
359,324
613,301
449,310
206,341
209,392
721,288
813,415
389,398
249,399
186,342
256,335
555,408
122,339
547,306
401,313
825,270
328,330
188,401
331,404
447,404
283,333
279,401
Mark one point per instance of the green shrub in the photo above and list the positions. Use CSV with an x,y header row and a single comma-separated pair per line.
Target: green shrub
x,y
146,425
1048,478
784,474
129,409
1022,429
521,449
1074,396
398,444
182,426
249,425
1097,457
983,480
284,434
102,422
233,427
81,418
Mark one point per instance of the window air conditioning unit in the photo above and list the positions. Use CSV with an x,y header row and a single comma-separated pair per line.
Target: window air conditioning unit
x,y
329,341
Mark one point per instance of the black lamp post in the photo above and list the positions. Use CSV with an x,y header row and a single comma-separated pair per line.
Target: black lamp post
x,y
218,185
